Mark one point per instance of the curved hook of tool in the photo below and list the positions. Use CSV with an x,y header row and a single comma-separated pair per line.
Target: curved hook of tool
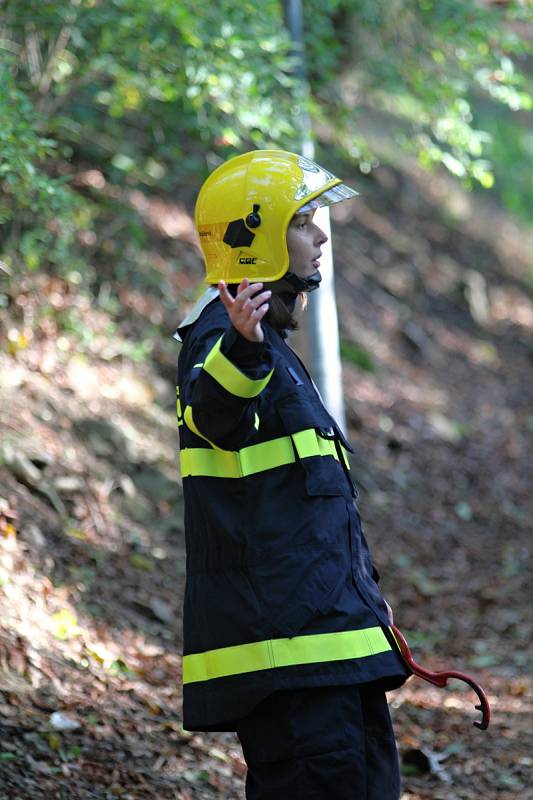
x,y
441,678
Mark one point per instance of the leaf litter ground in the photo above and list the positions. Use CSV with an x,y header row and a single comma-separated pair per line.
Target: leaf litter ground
x,y
436,322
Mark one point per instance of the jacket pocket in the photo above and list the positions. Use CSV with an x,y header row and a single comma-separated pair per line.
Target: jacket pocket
x,y
322,470
324,476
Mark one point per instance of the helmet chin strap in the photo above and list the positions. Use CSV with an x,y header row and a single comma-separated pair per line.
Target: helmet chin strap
x,y
298,284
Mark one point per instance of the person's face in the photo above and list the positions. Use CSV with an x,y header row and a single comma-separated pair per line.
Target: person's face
x,y
304,240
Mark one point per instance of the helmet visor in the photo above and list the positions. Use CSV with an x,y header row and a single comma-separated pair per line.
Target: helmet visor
x,y
328,198
335,195
314,177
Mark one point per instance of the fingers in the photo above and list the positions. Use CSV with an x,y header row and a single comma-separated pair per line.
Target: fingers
x,y
246,304
247,309
246,298
225,296
254,315
247,290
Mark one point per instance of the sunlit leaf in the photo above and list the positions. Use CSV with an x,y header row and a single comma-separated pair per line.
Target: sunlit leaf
x,y
64,624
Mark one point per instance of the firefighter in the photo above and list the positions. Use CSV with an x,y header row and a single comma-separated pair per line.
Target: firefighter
x,y
286,633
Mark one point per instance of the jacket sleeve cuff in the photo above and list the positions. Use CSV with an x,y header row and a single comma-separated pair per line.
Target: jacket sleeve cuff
x,y
241,367
242,352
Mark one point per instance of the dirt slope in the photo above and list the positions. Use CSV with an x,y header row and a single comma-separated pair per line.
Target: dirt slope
x,y
436,319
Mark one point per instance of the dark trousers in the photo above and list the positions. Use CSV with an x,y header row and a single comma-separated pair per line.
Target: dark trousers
x,y
328,743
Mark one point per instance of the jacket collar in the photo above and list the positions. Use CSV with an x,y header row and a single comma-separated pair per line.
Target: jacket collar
x,y
210,294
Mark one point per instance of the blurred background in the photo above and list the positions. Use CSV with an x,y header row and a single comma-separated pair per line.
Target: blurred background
x,y
113,113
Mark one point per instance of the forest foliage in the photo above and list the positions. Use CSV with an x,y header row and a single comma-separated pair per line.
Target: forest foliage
x,y
151,95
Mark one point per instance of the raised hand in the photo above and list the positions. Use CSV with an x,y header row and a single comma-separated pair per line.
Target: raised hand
x,y
247,309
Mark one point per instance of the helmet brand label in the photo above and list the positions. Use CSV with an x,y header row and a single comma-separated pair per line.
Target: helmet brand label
x,y
247,260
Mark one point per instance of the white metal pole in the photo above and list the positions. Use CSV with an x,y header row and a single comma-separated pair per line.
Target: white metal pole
x,y
323,330
319,339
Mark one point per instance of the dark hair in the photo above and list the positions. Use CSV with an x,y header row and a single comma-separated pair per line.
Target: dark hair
x,y
281,314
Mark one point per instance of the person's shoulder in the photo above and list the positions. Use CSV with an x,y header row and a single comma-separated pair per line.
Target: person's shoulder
x,y
212,320
213,315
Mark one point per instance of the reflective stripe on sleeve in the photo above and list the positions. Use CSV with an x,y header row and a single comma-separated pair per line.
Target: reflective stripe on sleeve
x,y
198,461
190,423
272,653
178,407
232,379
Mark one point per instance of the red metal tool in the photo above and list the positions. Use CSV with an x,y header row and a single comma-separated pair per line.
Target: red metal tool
x,y
441,678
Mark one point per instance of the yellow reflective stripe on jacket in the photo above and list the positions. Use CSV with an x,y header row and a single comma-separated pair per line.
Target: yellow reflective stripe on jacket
x,y
178,407
272,653
232,379
255,458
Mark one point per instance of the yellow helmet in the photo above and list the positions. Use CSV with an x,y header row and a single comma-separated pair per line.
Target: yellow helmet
x,y
244,208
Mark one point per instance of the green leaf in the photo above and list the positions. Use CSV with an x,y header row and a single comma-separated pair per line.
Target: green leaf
x,y
356,355
139,561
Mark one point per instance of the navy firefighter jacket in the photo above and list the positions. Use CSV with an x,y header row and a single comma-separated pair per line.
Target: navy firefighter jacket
x,y
280,590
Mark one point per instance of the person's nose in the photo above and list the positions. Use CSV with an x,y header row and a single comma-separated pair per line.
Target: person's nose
x,y
320,237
